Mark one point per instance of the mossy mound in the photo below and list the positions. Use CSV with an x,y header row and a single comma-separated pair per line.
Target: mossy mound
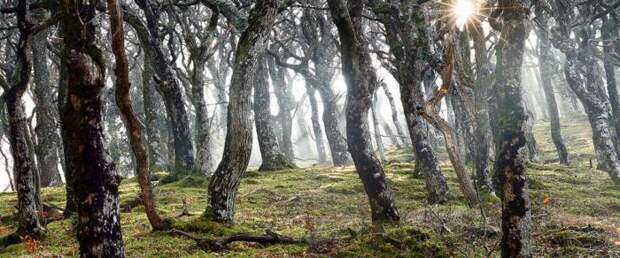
x,y
400,242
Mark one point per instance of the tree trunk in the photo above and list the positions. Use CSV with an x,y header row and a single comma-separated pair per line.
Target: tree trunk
x,y
171,92
316,125
46,113
132,125
273,158
152,109
362,82
336,141
202,132
509,133
285,106
93,177
610,33
238,146
399,129
410,71
377,128
28,220
546,64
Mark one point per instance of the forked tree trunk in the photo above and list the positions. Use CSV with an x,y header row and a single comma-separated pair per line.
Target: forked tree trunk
x,y
132,125
272,157
93,177
509,134
238,146
410,77
28,220
362,82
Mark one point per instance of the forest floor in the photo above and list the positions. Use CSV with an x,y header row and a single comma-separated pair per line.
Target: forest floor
x,y
575,213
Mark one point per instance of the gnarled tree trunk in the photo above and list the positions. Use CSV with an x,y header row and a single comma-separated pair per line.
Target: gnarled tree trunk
x,y
238,146
28,220
362,82
509,133
132,125
93,177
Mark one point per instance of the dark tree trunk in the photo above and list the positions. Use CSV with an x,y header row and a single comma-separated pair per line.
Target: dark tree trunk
x,y
546,64
28,220
47,127
510,136
285,105
238,146
273,158
410,73
316,124
132,125
171,92
93,177
362,82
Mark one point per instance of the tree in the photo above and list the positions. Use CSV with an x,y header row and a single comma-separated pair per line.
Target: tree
x,y
238,146
585,77
28,206
134,132
362,82
46,113
94,180
273,158
545,64
410,66
509,129
168,86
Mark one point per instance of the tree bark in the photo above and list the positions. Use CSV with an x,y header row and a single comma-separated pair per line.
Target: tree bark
x,y
93,177
545,66
272,157
152,109
362,82
238,145
28,220
132,125
46,113
509,133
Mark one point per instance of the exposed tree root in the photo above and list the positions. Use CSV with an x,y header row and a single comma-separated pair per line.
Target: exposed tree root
x,y
221,244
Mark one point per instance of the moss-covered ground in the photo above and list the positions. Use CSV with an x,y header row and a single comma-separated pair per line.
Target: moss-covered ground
x,y
575,213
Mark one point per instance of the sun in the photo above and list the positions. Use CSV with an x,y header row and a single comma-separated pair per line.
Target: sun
x,y
463,11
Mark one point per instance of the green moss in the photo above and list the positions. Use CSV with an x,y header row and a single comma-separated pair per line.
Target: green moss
x,y
400,242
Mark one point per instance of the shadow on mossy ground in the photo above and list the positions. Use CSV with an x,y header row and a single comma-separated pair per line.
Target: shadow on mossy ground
x,y
575,212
